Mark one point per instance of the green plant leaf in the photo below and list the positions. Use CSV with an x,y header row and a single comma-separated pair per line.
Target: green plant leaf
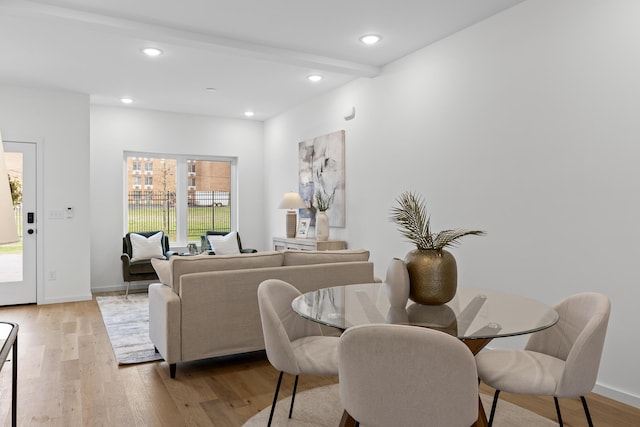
x,y
415,224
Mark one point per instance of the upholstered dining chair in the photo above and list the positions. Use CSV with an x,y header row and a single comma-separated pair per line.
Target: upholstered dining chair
x,y
294,345
561,361
399,375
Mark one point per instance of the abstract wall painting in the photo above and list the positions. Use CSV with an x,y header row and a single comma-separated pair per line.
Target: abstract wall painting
x,y
321,168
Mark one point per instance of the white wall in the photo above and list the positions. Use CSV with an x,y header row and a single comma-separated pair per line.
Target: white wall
x,y
58,122
116,130
525,125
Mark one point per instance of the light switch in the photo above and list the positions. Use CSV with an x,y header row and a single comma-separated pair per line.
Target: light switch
x,y
56,214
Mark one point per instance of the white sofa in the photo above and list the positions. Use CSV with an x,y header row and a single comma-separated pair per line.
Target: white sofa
x,y
207,306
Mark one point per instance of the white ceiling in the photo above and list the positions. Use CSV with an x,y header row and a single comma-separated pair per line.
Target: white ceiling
x,y
255,53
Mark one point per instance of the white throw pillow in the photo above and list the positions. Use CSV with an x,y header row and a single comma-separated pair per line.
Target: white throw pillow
x,y
146,248
224,245
163,270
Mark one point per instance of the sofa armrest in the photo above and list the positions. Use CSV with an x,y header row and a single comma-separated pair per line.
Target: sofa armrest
x,y
165,322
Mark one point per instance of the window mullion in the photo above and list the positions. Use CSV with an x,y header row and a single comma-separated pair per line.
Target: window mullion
x,y
182,202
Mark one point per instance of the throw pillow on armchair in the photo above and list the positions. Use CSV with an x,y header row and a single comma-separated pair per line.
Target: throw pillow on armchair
x,y
224,245
143,248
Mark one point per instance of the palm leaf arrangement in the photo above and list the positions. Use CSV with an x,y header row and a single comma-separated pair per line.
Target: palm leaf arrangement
x,y
415,224
324,200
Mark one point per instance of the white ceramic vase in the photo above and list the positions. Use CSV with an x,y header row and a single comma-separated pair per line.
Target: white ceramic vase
x,y
397,283
322,226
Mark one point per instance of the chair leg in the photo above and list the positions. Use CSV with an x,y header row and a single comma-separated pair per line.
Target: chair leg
x,y
126,294
293,396
493,407
275,398
555,399
586,411
172,370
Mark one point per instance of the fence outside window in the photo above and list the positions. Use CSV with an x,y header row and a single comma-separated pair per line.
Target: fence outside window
x,y
206,210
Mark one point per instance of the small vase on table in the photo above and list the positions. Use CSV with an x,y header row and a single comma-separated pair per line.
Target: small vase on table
x,y
322,226
397,283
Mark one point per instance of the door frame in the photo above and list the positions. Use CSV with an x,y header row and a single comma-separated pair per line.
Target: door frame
x,y
40,222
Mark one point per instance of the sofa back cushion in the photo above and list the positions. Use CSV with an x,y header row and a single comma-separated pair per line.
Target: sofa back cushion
x,y
169,272
220,313
324,257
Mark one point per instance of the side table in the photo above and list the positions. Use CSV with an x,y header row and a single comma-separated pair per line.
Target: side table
x,y
8,339
282,243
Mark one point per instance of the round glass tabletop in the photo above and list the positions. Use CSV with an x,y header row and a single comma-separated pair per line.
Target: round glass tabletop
x,y
472,314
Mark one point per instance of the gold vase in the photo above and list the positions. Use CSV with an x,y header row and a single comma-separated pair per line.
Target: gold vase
x,y
433,276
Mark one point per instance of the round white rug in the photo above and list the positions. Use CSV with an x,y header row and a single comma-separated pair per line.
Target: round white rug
x,y
321,407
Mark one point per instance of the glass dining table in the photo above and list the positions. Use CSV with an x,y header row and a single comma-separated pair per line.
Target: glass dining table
x,y
476,316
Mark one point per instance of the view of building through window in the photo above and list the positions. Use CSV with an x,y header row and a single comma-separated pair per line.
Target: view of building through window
x,y
157,186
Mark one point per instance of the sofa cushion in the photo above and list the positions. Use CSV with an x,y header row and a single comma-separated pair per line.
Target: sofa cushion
x,y
324,257
224,245
143,248
170,271
163,270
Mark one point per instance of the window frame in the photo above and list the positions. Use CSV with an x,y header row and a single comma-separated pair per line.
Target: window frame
x,y
182,192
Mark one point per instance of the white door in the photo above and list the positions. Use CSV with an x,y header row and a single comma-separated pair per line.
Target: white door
x,y
18,260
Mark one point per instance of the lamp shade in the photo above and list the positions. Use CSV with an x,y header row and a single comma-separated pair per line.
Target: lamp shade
x,y
8,229
291,200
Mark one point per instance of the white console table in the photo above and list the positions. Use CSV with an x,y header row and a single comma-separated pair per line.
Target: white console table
x,y
282,243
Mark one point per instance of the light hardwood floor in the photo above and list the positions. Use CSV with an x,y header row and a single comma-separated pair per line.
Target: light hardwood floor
x,y
68,377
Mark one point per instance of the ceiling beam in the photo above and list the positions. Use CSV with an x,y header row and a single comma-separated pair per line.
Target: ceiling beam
x,y
177,36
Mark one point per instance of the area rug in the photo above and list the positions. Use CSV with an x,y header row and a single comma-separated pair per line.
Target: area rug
x,y
127,323
321,407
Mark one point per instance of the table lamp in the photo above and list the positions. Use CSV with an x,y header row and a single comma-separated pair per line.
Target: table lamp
x,y
291,201
8,229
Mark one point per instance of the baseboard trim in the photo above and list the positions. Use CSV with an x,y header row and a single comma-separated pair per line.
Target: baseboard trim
x,y
122,287
620,396
66,299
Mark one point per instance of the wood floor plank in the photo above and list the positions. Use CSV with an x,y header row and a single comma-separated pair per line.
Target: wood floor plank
x,y
68,376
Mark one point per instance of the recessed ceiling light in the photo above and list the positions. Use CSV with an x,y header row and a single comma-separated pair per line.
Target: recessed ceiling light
x,y
152,51
210,89
126,100
249,113
314,77
370,39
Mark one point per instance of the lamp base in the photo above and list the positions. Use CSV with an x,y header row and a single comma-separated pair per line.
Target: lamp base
x,y
291,224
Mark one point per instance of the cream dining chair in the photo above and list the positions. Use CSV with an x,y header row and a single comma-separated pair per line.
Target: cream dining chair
x,y
399,375
294,345
561,361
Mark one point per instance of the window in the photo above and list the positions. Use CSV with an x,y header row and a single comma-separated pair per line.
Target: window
x,y
176,200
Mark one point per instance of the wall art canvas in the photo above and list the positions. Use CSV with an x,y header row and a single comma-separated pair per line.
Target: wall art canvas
x,y
321,168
